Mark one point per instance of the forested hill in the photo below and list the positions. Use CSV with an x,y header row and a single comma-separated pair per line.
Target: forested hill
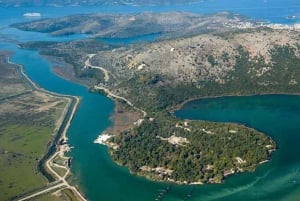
x,y
90,2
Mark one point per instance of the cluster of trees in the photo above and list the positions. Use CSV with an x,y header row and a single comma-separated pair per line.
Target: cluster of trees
x,y
206,156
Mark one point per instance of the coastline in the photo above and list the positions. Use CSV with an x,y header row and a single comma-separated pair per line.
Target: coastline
x,y
115,97
104,137
219,191
179,106
65,71
58,144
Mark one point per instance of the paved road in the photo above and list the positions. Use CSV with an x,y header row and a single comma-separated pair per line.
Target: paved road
x,y
58,186
121,98
88,64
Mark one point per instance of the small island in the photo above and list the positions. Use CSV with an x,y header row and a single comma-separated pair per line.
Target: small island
x,y
149,81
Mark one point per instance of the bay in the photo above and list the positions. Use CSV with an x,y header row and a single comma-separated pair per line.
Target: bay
x,y
277,116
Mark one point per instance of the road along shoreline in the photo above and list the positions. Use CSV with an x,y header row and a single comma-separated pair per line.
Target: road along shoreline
x,y
58,146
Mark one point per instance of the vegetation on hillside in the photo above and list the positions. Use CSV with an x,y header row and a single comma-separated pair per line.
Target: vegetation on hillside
x,y
158,76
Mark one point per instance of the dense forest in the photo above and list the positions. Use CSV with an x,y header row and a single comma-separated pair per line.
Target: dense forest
x,y
207,153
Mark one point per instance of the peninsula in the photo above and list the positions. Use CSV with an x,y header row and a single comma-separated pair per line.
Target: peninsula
x,y
114,26
148,81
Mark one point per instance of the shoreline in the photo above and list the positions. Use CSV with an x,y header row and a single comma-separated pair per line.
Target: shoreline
x,y
115,97
56,69
155,178
58,144
104,137
179,106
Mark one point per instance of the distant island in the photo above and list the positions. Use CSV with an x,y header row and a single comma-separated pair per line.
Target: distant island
x,y
214,55
58,3
165,24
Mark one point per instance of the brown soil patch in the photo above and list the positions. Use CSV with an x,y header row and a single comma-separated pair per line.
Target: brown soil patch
x,y
123,118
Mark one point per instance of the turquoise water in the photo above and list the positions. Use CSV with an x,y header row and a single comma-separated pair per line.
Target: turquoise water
x,y
277,116
271,10
100,179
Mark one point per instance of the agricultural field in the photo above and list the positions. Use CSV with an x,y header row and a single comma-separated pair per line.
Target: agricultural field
x,y
10,81
29,121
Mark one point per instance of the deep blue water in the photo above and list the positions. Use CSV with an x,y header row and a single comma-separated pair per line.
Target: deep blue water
x,y
272,10
100,179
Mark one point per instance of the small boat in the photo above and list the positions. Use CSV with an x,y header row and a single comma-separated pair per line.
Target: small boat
x,y
291,17
32,15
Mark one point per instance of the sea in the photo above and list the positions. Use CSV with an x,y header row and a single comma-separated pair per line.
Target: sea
x,y
100,179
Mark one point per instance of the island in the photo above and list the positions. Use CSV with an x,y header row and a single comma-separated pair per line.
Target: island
x,y
165,25
150,80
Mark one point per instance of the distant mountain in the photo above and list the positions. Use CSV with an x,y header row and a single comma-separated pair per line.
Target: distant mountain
x,y
17,3
169,24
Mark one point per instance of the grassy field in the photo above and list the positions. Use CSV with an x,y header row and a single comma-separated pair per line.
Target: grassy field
x,y
21,148
28,123
10,81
